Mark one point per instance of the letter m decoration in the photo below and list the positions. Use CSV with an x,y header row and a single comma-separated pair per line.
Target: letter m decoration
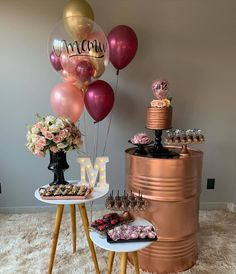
x,y
89,173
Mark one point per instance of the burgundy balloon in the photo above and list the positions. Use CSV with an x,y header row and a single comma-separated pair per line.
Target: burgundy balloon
x,y
123,44
99,99
55,61
84,70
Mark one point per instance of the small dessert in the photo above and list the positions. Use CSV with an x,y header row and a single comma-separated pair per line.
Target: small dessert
x,y
110,201
141,139
67,192
129,233
118,201
108,221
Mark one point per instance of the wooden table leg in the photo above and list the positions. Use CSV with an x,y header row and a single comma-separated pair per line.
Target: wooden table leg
x,y
111,255
84,217
123,262
135,262
73,226
57,225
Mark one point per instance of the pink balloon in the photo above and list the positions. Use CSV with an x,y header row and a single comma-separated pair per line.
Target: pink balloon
x,y
84,70
123,45
69,77
99,99
69,64
55,61
67,101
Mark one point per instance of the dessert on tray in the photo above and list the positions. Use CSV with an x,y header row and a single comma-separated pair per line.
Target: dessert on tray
x,y
65,192
131,233
127,202
159,113
109,221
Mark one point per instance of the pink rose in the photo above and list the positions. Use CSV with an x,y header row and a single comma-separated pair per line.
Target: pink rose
x,y
77,141
63,133
69,129
69,140
54,149
48,135
44,131
40,143
39,125
57,139
39,153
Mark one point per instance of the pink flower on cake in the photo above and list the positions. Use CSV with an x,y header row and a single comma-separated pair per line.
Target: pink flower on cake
x,y
158,103
167,102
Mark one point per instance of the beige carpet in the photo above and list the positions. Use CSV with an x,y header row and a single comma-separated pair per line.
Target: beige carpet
x,y
25,245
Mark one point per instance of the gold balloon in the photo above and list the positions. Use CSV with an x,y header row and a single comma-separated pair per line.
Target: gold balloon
x,y
97,62
78,8
75,23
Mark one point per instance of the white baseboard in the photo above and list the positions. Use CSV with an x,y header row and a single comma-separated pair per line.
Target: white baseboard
x,y
33,209
213,205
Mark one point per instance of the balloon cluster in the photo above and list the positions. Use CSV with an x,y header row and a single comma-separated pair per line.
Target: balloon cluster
x,y
79,52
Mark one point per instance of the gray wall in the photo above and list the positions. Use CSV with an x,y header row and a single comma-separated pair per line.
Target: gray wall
x,y
192,43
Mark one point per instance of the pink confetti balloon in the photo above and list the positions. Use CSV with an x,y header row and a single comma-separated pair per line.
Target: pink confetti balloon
x,y
67,101
84,70
160,89
55,61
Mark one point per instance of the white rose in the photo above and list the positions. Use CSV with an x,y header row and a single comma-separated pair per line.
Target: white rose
x,y
61,145
30,146
32,138
50,119
54,128
60,123
35,130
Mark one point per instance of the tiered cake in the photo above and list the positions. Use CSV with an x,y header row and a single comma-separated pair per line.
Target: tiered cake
x,y
159,113
159,117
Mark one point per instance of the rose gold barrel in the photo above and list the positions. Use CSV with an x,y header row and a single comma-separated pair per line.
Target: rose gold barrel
x,y
172,188
159,118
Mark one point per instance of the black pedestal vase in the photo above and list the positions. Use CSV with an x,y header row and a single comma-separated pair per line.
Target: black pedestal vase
x,y
58,165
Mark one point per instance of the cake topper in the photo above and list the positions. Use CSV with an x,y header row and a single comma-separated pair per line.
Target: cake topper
x,y
160,90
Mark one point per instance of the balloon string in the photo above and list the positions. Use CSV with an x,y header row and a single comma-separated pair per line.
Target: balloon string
x,y
110,118
94,145
95,142
97,134
85,134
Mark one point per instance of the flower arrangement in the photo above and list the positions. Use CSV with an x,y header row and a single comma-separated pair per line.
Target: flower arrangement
x,y
53,134
160,90
140,139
